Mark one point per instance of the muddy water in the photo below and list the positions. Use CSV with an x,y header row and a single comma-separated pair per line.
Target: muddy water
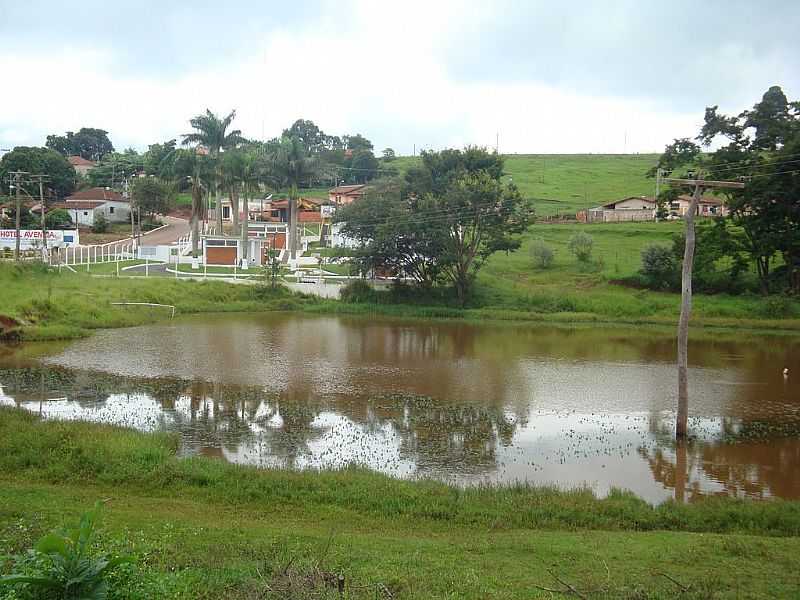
x,y
463,403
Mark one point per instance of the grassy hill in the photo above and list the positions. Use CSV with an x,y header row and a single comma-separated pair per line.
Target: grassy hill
x,y
566,183
559,183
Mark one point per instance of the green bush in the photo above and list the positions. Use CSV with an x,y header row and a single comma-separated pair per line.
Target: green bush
x,y
777,307
542,254
58,219
581,245
358,291
659,267
100,224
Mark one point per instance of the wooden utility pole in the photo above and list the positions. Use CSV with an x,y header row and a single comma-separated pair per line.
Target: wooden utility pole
x,y
15,179
41,179
681,424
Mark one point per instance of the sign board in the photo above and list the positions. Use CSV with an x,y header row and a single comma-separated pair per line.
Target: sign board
x,y
32,238
327,210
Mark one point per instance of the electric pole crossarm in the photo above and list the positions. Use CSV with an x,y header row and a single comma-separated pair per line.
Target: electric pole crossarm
x,y
737,185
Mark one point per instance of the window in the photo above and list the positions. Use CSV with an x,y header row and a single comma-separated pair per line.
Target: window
x,y
111,210
85,214
226,212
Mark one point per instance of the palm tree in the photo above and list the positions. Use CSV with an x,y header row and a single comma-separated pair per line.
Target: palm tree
x,y
212,133
289,166
186,164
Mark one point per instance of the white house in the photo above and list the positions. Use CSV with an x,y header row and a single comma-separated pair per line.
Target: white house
x,y
84,206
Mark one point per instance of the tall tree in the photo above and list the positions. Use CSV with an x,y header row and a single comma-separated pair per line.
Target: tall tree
x,y
451,214
39,161
187,164
289,166
212,133
761,145
89,143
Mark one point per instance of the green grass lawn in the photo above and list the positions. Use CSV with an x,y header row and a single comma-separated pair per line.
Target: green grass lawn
x,y
509,287
203,529
566,183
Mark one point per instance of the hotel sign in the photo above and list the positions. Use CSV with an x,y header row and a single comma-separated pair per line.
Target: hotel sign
x,y
33,238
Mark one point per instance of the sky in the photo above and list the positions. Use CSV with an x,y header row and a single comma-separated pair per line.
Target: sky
x,y
610,76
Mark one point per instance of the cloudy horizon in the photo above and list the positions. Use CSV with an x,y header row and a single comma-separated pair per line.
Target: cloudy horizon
x,y
607,78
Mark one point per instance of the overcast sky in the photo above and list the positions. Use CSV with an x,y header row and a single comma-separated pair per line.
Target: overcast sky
x,y
549,77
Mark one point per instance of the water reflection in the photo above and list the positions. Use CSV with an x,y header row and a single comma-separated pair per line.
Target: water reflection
x,y
462,403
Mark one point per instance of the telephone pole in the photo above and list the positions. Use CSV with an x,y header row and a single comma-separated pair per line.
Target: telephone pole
x,y
699,184
40,179
15,181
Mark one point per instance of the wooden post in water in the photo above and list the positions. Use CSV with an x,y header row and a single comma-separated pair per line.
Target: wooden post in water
x,y
682,420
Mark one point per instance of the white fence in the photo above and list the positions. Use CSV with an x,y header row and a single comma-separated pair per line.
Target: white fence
x,y
87,255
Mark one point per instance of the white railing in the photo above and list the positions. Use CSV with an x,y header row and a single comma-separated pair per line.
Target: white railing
x,y
89,255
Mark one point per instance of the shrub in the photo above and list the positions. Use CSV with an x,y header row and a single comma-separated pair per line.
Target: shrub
x,y
659,266
542,254
776,307
100,224
357,291
581,245
58,219
62,564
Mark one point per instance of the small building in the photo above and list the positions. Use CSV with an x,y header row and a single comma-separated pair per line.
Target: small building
x,y
644,208
343,195
81,165
230,250
84,206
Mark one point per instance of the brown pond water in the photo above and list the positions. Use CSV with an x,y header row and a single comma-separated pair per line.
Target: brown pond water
x,y
463,403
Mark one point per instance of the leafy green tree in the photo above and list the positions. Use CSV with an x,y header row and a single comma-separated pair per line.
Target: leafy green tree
x,y
357,142
152,196
448,217
389,154
364,166
115,168
100,224
766,209
156,160
90,143
58,219
39,161
212,133
581,245
542,254
659,266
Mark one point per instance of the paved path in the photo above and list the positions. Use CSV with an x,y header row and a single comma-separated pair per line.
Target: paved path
x,y
175,229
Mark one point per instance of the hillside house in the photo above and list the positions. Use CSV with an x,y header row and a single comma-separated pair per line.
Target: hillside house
x,y
643,208
81,165
84,206
343,195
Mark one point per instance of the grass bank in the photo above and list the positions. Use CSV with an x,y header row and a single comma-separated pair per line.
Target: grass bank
x,y
509,288
205,529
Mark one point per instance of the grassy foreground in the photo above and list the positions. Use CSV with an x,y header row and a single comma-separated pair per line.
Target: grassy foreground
x,y
204,529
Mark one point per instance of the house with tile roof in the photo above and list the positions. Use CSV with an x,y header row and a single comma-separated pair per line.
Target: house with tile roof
x,y
81,165
84,206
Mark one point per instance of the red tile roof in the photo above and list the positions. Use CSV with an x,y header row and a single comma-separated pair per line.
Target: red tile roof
x,y
79,161
97,193
347,190
84,204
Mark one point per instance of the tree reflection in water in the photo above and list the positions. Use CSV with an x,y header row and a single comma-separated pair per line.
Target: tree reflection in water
x,y
417,435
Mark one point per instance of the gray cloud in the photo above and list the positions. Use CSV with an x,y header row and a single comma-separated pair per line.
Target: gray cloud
x,y
682,54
